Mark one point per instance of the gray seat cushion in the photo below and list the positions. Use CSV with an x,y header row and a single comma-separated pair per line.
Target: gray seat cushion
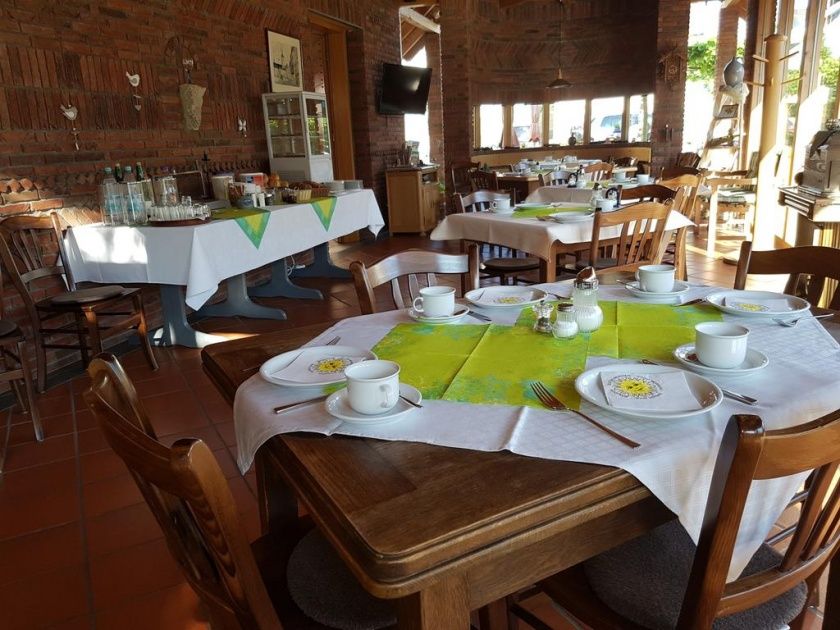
x,y
645,579
324,589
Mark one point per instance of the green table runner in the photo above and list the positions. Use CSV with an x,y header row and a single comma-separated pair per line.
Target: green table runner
x,y
252,221
494,364
542,211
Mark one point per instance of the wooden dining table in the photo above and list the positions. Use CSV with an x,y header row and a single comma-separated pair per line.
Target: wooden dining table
x,y
442,531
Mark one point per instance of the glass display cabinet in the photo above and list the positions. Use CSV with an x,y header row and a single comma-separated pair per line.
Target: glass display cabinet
x,y
297,131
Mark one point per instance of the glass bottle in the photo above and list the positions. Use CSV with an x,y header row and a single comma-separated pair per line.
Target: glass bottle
x,y
597,195
542,321
139,172
565,324
588,313
128,174
118,173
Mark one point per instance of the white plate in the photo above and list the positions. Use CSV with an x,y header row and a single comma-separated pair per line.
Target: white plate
x,y
505,297
531,205
573,216
588,385
338,406
460,312
797,305
680,288
277,363
753,362
502,213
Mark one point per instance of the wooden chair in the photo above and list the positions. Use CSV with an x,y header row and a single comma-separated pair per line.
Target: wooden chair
x,y
648,192
675,171
641,225
808,267
688,187
291,575
624,161
484,180
411,263
644,167
599,171
17,372
460,176
736,195
502,168
32,248
497,265
554,178
641,583
689,158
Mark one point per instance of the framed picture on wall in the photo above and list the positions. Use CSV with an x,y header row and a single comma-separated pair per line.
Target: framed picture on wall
x,y
284,63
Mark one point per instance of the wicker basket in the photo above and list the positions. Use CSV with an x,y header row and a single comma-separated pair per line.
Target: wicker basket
x,y
303,194
320,192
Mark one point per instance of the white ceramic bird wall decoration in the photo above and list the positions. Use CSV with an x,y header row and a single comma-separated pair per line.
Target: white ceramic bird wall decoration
x,y
70,112
133,79
242,127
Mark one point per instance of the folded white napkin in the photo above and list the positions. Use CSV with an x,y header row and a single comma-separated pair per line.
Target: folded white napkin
x,y
315,366
775,305
660,391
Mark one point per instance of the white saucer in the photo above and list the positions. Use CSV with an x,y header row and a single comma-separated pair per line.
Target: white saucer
x,y
505,297
338,406
503,213
460,312
754,362
573,216
588,385
796,305
275,364
680,288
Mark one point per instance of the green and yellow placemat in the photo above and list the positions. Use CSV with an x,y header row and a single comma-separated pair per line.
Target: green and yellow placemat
x,y
542,211
494,364
252,221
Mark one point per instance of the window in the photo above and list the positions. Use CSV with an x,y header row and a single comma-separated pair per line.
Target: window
x,y
566,121
491,119
417,125
527,124
606,118
640,118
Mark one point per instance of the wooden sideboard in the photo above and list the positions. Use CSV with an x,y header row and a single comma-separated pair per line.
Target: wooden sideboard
x,y
413,199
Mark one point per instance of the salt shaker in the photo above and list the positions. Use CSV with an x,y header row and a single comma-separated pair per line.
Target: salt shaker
x,y
588,314
565,325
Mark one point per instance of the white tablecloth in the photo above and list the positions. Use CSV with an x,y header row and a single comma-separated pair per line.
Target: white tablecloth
x,y
528,235
675,460
559,194
200,257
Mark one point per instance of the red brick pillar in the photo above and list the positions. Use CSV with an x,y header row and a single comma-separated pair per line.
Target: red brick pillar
x,y
454,58
432,44
669,105
727,41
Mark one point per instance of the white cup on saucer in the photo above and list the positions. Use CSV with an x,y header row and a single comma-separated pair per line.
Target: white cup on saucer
x,y
656,278
500,205
605,205
643,178
373,387
435,302
619,176
720,344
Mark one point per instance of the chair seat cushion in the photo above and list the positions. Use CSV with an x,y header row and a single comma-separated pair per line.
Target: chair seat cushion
x,y
86,296
736,196
323,588
508,265
645,580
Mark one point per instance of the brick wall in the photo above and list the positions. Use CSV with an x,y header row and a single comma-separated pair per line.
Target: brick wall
x,y
727,40
78,52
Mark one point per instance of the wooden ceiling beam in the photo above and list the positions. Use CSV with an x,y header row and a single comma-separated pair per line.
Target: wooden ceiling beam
x,y
419,20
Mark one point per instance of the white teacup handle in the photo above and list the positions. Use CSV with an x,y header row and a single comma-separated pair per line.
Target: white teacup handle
x,y
637,275
418,309
391,394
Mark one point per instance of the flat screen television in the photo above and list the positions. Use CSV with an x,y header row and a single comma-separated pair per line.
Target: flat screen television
x,y
405,89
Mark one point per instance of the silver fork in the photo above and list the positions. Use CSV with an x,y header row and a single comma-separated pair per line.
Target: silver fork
x,y
790,323
331,342
549,400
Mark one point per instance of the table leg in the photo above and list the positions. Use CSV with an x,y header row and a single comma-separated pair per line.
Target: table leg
x,y
277,503
239,304
176,331
445,605
281,286
322,266
711,237
831,615
548,268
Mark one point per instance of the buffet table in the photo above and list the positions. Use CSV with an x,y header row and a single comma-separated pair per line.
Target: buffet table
x,y
199,257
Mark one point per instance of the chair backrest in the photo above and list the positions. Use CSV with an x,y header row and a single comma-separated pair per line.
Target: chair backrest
x,y
191,501
624,161
675,171
809,268
689,185
410,264
31,248
642,226
648,192
460,176
502,168
599,170
484,180
477,201
748,454
689,158
554,178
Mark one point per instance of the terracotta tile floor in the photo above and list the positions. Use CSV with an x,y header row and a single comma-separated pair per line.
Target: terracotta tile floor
x,y
79,548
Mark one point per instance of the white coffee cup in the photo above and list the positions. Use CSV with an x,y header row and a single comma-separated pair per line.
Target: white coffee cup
x,y
720,344
656,278
619,176
373,386
500,205
605,205
435,301
643,178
